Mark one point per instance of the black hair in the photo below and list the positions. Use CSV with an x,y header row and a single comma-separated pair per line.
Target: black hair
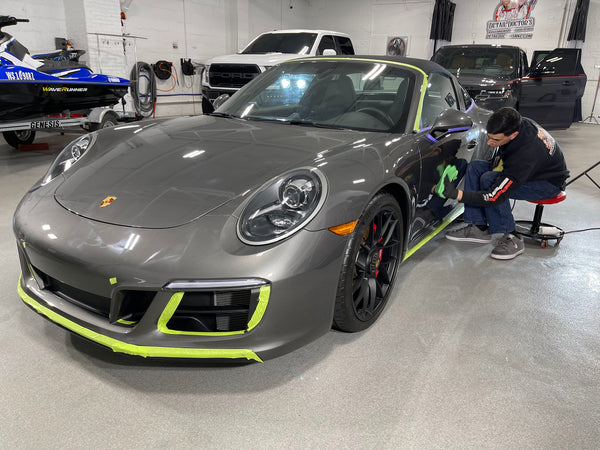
x,y
506,121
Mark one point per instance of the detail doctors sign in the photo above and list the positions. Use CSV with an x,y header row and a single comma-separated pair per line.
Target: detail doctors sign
x,y
512,20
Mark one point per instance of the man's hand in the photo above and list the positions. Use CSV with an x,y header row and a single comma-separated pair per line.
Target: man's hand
x,y
450,190
447,176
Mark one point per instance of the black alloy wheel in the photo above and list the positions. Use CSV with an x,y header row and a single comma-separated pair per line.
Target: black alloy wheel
x,y
371,260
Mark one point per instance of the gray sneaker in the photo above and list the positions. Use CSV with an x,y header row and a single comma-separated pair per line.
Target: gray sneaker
x,y
508,246
470,233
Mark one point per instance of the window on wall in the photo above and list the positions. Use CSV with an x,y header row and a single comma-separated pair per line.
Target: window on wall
x,y
439,96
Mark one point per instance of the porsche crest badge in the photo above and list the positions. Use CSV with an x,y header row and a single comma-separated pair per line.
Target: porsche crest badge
x,y
107,201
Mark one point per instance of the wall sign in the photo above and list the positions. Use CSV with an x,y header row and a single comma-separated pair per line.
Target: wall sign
x,y
397,46
512,20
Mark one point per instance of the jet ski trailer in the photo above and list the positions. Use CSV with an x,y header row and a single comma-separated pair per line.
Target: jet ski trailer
x,y
22,132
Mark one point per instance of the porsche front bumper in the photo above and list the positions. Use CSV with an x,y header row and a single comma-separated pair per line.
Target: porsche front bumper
x,y
176,293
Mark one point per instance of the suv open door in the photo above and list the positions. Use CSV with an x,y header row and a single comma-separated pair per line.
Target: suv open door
x,y
551,92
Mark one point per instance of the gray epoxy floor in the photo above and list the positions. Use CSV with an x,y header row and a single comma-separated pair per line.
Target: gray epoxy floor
x,y
471,353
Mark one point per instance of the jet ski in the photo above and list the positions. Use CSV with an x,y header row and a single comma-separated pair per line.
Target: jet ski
x,y
31,87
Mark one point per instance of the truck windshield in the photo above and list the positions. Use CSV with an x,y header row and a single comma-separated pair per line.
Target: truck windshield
x,y
297,43
490,61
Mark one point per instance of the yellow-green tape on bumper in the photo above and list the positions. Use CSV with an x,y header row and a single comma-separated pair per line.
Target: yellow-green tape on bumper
x,y
163,320
131,349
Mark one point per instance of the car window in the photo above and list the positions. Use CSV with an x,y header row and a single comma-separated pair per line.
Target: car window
x,y
524,64
326,43
439,96
345,45
298,43
492,61
538,56
357,95
561,61
466,98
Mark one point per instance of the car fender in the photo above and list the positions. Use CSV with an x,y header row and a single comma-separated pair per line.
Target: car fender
x,y
352,180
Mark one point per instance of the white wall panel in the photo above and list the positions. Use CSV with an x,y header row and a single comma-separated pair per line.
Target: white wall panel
x,y
354,17
46,21
267,15
412,19
106,50
77,26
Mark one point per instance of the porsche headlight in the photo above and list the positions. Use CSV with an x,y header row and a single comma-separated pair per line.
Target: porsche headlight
x,y
282,207
69,156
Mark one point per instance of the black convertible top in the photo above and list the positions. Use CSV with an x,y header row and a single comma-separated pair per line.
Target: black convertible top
x,y
423,64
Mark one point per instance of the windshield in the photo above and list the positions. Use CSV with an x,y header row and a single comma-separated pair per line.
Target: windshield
x,y
335,94
487,61
297,43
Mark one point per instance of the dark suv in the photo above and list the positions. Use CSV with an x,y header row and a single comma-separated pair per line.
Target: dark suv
x,y
549,92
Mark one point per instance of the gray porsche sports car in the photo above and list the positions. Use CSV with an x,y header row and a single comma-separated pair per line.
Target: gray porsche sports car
x,y
250,231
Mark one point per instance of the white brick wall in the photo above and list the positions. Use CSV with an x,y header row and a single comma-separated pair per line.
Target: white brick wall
x,y
106,52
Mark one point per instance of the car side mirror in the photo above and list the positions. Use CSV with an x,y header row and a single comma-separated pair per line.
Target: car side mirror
x,y
450,121
220,100
208,107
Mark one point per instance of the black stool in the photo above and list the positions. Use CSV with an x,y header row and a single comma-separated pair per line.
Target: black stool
x,y
537,230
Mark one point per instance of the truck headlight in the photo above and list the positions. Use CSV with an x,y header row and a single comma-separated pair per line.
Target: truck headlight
x,y
282,206
204,76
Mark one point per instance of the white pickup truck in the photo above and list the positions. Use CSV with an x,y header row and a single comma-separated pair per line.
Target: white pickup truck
x,y
226,74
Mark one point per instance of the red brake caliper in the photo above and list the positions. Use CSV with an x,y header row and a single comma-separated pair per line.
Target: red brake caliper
x,y
380,251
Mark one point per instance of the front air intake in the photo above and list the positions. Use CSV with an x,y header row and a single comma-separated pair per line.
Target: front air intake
x,y
214,311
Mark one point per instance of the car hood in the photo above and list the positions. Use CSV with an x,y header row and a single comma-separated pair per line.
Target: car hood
x,y
165,174
472,82
267,59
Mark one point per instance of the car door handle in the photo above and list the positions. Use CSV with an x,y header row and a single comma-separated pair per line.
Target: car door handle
x,y
472,144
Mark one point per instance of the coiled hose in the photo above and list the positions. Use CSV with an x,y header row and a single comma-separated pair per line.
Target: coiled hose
x,y
143,89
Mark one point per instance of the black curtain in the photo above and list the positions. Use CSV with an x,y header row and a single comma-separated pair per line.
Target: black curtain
x,y
442,21
577,30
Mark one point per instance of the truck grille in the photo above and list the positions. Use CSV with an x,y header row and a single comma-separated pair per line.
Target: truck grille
x,y
232,75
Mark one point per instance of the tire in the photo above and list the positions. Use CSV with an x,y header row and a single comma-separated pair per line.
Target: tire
x,y
15,138
108,120
371,259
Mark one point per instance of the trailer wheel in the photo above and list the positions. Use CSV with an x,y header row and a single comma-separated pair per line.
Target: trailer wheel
x,y
108,120
15,138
